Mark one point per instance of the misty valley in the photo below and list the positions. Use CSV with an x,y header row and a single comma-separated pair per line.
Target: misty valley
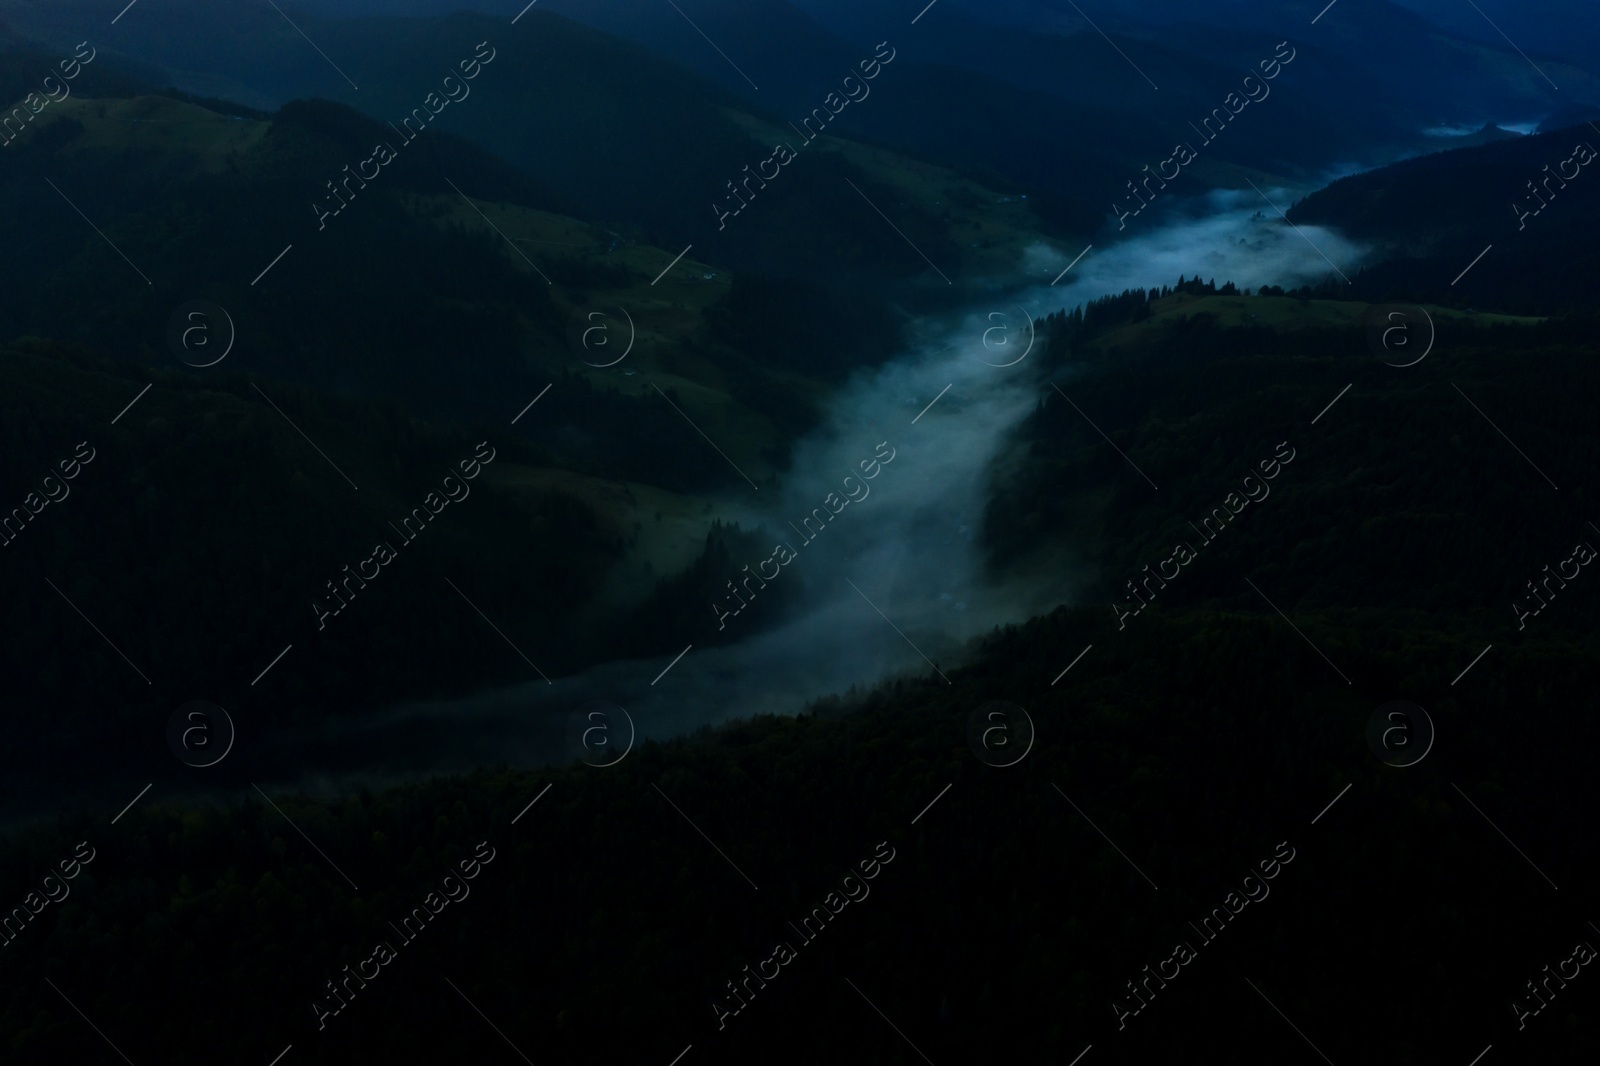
x,y
915,495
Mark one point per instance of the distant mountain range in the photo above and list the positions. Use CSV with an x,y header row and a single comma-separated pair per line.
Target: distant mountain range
x,y
1026,94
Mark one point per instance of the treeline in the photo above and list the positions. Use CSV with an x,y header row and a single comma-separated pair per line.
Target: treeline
x,y
1067,331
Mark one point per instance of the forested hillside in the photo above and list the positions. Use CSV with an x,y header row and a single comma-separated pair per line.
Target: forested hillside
x,y
604,911
1506,226
798,531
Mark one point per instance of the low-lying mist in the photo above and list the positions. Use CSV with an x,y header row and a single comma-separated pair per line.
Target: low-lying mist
x,y
1226,235
895,583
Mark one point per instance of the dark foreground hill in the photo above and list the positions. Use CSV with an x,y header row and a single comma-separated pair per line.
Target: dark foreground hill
x,y
1178,774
